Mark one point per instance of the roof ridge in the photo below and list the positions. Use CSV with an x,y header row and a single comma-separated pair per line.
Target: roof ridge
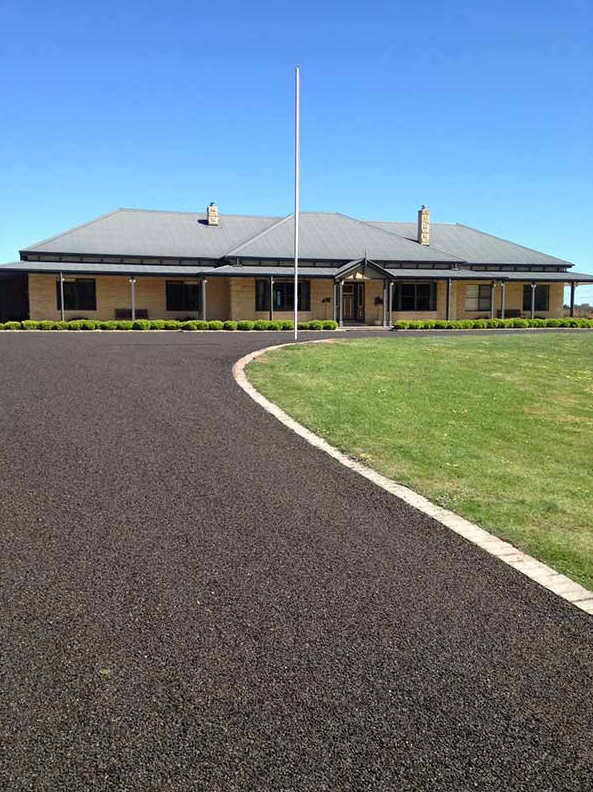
x,y
399,236
257,236
70,230
189,212
407,222
515,244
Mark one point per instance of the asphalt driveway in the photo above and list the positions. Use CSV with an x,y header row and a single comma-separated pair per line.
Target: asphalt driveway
x,y
193,598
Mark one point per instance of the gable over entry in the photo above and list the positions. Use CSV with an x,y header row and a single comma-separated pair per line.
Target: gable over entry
x,y
358,272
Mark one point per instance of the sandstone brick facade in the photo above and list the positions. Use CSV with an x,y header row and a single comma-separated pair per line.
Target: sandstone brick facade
x,y
234,298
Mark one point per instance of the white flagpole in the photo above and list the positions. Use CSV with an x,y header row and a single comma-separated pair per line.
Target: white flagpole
x,y
296,202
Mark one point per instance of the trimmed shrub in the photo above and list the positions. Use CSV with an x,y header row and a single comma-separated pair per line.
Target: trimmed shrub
x,y
537,322
329,324
441,324
286,324
201,324
172,324
12,326
303,325
60,325
261,324
229,325
415,324
47,325
74,325
273,325
520,323
479,324
157,324
27,324
215,324
245,324
401,324
108,325
87,324
141,324
315,325
124,324
191,325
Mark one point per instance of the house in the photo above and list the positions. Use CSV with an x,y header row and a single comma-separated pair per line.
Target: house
x,y
135,262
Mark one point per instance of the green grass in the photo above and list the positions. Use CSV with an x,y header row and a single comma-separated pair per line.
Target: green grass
x,y
499,429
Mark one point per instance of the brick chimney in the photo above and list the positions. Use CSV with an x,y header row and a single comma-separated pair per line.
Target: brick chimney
x,y
423,226
212,215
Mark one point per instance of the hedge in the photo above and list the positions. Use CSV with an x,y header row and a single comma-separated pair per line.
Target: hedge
x,y
262,324
483,324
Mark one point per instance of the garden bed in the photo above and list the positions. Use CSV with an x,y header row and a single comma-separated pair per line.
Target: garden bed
x,y
167,324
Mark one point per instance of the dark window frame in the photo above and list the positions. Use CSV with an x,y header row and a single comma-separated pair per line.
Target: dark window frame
x,y
411,296
283,299
484,298
542,297
75,298
179,297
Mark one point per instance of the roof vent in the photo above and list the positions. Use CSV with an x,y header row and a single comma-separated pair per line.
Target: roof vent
x,y
423,226
212,215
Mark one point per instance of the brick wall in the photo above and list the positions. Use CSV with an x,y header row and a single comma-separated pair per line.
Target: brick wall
x,y
113,291
513,301
242,301
235,298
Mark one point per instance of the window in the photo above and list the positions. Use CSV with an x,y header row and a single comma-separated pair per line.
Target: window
x,y
477,297
184,296
542,298
79,294
416,296
283,295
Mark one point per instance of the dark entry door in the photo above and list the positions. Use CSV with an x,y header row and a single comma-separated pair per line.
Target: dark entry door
x,y
353,302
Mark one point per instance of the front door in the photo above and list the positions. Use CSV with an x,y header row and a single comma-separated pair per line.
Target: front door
x,y
353,306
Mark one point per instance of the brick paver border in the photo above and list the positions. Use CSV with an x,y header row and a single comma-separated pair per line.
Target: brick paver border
x,y
541,573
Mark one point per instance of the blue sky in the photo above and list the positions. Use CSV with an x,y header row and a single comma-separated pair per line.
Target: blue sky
x,y
481,111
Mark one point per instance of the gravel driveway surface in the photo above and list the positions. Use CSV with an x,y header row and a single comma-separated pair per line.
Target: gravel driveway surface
x,y
193,598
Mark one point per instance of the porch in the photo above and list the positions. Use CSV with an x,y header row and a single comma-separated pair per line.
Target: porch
x,y
359,293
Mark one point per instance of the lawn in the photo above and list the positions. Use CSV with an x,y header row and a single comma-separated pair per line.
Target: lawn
x,y
497,428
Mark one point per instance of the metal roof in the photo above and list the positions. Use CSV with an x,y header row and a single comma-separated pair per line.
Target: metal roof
x,y
81,267
324,236
331,236
140,232
490,275
279,271
473,246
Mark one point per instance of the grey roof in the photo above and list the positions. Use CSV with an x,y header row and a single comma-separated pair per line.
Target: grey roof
x,y
473,246
352,266
331,236
140,232
81,267
490,275
278,271
324,236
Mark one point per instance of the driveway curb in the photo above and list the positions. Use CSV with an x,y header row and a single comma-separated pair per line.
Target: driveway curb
x,y
541,573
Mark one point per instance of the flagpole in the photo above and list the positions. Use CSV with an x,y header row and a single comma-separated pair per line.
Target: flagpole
x,y
296,202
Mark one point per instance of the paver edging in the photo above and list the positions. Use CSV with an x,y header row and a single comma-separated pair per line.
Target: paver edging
x,y
536,570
